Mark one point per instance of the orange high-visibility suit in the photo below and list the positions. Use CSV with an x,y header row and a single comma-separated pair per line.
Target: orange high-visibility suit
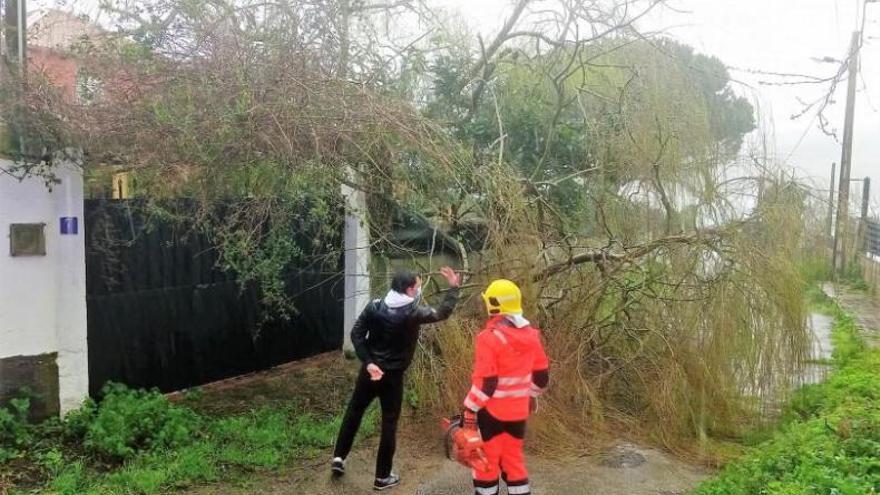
x,y
510,371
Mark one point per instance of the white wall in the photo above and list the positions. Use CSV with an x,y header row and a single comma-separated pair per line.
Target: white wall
x,y
43,298
70,294
27,284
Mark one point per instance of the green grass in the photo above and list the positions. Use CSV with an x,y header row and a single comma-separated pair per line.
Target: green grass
x,y
818,301
136,443
828,441
852,276
815,269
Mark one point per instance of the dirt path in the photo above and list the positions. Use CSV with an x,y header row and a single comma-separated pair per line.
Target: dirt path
x,y
626,470
864,307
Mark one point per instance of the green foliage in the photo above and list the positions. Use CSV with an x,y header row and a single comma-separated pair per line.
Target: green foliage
x,y
815,269
297,204
819,302
830,439
263,260
15,431
411,396
150,473
260,439
731,117
852,276
556,123
312,432
69,481
369,425
130,421
159,446
76,423
845,338
52,460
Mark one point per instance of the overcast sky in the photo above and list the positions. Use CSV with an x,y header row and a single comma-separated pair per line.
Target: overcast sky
x,y
773,36
760,35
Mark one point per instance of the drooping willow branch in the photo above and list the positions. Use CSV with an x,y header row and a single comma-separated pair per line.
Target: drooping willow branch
x,y
705,236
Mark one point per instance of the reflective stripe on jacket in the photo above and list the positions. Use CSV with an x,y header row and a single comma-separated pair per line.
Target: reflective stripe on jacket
x,y
510,366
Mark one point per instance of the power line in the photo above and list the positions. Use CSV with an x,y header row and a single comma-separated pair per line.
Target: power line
x,y
861,21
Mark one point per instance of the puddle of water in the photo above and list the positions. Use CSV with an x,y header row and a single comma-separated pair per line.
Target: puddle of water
x,y
815,371
820,328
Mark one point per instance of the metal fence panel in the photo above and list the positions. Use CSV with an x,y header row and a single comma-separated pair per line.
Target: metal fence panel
x,y
162,314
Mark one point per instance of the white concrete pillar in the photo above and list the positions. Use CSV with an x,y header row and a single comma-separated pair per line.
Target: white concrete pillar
x,y
357,260
27,296
70,262
43,297
27,313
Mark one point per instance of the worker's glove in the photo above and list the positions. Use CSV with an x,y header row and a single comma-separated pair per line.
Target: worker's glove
x,y
469,419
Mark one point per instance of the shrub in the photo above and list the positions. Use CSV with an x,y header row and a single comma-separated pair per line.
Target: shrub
x,y
15,431
158,446
128,421
76,423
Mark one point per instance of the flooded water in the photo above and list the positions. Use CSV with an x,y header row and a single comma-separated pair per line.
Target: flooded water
x,y
815,370
820,328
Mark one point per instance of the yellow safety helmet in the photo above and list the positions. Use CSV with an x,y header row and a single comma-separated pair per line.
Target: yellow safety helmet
x,y
503,297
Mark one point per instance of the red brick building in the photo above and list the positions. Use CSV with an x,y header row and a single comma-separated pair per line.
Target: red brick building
x,y
52,38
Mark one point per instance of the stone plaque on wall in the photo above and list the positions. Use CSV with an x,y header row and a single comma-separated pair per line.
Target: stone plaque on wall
x,y
27,239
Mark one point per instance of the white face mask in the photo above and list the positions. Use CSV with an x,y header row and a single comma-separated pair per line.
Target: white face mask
x,y
418,294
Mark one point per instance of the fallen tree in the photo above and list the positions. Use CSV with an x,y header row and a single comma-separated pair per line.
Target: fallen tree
x,y
608,178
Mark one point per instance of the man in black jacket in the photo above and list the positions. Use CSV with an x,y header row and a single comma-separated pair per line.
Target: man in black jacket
x,y
385,338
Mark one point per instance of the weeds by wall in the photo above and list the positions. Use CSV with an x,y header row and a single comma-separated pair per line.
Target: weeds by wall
x,y
138,442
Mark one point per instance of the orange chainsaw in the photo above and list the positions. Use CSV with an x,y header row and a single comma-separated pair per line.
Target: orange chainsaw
x,y
464,445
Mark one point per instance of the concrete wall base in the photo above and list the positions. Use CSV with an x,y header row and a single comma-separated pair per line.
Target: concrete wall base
x,y
34,377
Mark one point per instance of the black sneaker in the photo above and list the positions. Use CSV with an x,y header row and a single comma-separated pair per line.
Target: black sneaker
x,y
385,483
338,466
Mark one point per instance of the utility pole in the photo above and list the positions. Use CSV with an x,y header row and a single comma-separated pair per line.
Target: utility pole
x,y
14,48
15,31
831,205
839,255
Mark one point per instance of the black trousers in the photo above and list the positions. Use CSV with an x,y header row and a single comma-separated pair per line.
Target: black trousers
x,y
389,390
